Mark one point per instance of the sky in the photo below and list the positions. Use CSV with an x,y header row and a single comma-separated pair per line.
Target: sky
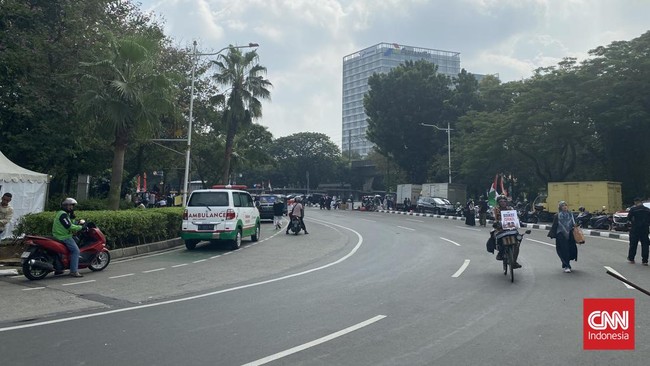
x,y
302,42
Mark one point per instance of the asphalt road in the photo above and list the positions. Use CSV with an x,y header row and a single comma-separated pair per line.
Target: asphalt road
x,y
360,289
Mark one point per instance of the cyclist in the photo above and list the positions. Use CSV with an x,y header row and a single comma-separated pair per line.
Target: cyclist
x,y
502,204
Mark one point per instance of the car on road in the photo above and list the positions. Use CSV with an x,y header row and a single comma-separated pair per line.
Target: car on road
x,y
619,219
265,204
222,213
435,205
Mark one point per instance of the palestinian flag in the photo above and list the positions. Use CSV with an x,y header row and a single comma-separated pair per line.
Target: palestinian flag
x,y
492,195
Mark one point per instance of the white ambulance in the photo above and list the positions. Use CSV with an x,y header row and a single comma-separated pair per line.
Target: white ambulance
x,y
221,213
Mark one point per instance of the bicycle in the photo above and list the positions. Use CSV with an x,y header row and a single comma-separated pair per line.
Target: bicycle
x,y
507,240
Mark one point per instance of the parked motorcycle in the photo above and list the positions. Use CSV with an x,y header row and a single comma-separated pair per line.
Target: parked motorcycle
x,y
45,255
601,220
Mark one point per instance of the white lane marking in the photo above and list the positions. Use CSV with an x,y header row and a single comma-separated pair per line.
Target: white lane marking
x,y
120,276
451,241
77,283
314,343
613,271
179,265
541,242
33,288
138,307
413,220
200,260
369,220
154,270
461,269
468,228
118,261
215,256
405,228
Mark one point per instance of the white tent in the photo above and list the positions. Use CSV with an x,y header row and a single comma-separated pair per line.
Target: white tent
x,y
28,188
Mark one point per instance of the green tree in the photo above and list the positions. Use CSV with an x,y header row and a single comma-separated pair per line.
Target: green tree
x,y
242,73
125,94
396,105
617,86
305,152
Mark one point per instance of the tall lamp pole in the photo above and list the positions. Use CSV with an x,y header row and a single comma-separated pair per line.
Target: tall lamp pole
x,y
448,142
195,57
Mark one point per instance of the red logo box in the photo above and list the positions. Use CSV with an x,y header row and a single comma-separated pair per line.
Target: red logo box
x,y
608,324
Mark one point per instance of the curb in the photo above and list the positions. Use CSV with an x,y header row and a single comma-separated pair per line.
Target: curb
x,y
605,234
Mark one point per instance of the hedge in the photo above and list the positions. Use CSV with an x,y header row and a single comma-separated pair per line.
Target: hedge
x,y
122,228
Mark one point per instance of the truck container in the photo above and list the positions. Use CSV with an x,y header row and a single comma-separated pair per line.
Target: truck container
x,y
454,192
410,191
593,196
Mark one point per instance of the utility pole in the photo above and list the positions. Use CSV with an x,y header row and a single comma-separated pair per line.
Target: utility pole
x,y
448,142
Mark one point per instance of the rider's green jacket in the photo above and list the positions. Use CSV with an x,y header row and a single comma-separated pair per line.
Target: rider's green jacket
x,y
63,227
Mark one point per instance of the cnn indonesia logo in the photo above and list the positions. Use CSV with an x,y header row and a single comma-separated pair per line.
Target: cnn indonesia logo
x,y
608,324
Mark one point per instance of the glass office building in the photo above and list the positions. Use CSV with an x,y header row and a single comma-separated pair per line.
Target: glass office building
x,y
380,58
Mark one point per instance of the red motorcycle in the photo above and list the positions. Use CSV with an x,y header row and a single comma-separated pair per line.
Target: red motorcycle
x,y
45,255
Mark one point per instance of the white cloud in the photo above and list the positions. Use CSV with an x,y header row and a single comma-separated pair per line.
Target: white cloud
x,y
302,42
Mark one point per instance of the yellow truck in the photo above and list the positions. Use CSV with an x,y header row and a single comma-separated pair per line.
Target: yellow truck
x,y
593,196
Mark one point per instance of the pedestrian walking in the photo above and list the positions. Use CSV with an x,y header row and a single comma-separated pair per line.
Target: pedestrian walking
x,y
639,221
482,211
562,232
278,212
470,213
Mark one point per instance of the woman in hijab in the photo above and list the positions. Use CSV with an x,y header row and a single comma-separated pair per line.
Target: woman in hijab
x,y
562,232
470,213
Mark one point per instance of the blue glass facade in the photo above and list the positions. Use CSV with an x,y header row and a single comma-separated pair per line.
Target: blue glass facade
x,y
380,58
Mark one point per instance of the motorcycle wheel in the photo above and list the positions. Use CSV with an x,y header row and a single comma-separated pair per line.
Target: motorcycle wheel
x,y
33,273
101,261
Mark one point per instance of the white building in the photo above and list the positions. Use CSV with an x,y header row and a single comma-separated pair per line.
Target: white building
x,y
380,58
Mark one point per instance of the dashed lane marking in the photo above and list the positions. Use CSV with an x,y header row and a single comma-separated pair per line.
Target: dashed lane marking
x,y
616,273
461,269
451,241
405,228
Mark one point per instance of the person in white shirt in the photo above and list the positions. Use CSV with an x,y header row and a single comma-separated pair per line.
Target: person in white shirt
x,y
6,212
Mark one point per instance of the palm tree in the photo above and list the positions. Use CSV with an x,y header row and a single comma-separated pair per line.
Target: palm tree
x,y
241,73
125,95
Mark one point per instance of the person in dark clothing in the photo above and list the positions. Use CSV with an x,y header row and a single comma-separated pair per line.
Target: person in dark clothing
x,y
470,213
562,232
278,212
482,211
639,221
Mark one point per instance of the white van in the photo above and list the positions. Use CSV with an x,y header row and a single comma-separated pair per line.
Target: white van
x,y
220,214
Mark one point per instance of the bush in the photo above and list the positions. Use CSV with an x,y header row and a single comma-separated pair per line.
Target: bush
x,y
121,228
91,204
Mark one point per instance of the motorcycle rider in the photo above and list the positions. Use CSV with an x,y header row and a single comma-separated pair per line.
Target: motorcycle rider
x,y
298,211
583,217
502,204
62,229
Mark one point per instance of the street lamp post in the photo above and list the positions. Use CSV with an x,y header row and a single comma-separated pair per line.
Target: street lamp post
x,y
448,142
195,57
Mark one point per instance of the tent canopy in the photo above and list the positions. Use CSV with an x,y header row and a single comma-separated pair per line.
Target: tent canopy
x,y
10,172
28,188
